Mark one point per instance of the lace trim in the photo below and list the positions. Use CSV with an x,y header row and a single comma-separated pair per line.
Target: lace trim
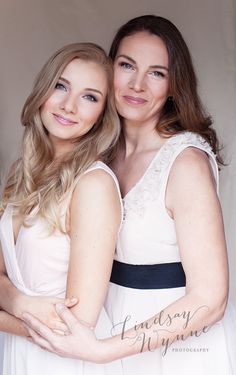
x,y
146,191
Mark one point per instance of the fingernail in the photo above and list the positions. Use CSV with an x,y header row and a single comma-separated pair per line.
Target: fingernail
x,y
73,300
60,306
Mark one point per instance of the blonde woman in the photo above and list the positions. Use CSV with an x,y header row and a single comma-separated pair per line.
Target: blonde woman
x,y
61,208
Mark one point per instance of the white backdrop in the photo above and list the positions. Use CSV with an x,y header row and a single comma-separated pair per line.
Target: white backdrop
x,y
31,30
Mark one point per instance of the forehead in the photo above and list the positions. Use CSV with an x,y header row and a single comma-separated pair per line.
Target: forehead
x,y
85,73
145,46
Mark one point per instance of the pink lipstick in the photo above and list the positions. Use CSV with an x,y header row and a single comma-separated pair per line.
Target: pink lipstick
x,y
134,100
63,120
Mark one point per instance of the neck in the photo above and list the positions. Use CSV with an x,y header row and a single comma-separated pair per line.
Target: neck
x,y
61,147
140,137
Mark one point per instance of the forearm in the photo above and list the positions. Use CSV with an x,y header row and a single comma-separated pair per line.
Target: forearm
x,y
9,295
190,315
10,324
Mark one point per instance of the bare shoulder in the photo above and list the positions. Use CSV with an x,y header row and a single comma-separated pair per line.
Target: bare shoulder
x,y
96,182
97,195
98,178
191,177
190,164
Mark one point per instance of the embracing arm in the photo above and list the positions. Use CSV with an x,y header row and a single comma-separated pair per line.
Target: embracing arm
x,y
192,202
94,223
10,324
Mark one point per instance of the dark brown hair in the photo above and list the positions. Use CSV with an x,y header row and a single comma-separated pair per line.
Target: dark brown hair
x,y
183,109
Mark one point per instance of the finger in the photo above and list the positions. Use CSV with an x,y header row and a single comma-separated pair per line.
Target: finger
x,y
69,302
62,333
67,316
59,325
37,326
38,340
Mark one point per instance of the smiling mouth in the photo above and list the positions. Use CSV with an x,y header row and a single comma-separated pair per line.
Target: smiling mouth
x,y
63,120
134,100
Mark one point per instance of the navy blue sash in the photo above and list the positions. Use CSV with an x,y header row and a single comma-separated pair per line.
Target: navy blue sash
x,y
148,276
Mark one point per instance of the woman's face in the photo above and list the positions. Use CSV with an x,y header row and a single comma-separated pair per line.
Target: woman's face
x,y
141,77
75,104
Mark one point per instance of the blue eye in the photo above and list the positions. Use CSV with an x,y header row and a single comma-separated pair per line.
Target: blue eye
x,y
60,86
126,65
157,73
90,97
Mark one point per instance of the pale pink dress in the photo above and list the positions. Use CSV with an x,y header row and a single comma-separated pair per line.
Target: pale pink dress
x,y
37,265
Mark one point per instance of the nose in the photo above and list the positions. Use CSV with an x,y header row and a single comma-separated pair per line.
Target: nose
x,y
69,104
137,82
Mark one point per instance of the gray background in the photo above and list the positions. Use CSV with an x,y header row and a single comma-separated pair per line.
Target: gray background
x,y
31,30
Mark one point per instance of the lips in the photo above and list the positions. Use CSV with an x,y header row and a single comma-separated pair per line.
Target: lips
x,y
134,100
63,120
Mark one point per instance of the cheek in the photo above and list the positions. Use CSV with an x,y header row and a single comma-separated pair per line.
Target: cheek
x,y
98,113
161,92
90,114
120,80
46,107
53,100
43,112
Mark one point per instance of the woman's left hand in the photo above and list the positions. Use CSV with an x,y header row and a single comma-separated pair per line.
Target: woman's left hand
x,y
80,343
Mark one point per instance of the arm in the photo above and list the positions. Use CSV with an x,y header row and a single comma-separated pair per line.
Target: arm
x,y
10,324
192,202
94,223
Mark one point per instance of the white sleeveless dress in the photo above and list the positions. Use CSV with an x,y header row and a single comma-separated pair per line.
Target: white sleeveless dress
x,y
148,236
37,265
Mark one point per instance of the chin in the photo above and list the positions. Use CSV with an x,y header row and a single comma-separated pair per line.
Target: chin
x,y
133,117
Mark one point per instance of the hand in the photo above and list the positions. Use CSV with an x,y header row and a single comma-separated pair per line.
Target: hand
x,y
43,308
81,343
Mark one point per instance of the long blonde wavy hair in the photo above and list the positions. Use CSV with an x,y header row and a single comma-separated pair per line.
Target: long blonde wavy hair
x,y
38,183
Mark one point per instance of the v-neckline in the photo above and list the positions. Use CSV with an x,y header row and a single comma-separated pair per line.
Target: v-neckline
x,y
138,182
14,240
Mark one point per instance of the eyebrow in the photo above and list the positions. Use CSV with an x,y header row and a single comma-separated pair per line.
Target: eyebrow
x,y
151,66
86,89
94,90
